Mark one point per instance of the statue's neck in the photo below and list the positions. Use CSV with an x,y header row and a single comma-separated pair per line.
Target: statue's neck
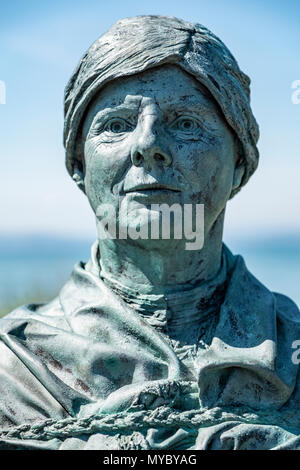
x,y
161,266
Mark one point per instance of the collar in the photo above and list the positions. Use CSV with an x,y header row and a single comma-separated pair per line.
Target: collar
x,y
184,308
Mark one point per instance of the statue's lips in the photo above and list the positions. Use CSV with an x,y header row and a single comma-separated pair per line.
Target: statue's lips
x,y
152,188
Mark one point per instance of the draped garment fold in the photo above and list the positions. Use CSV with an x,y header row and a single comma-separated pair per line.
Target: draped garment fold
x,y
88,353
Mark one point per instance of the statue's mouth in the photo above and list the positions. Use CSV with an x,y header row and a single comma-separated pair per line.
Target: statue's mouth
x,y
152,187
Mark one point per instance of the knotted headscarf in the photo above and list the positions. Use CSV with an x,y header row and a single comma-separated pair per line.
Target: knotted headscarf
x,y
133,45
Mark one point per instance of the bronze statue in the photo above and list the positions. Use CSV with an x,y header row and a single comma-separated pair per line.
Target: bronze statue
x,y
151,345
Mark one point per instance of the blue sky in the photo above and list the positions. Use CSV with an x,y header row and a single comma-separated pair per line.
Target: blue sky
x,y
40,45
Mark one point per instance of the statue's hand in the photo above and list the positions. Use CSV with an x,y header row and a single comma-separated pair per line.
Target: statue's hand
x,y
151,395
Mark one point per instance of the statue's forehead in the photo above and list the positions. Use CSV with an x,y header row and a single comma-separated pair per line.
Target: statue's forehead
x,y
166,85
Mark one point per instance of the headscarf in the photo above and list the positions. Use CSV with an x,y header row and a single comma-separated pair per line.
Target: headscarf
x,y
133,45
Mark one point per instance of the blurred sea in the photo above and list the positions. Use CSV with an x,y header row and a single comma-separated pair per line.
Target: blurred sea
x,y
33,268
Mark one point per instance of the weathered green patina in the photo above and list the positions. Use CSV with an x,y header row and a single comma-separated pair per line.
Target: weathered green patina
x,y
150,345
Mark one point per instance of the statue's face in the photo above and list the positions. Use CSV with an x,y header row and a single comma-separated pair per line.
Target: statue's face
x,y
158,137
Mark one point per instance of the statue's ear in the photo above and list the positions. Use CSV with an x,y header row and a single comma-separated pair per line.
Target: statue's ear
x,y
240,169
78,175
237,178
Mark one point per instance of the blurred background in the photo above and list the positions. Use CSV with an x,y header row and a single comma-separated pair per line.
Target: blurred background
x,y
46,224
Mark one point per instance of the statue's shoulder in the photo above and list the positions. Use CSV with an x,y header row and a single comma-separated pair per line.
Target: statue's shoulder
x,y
71,295
287,308
48,313
245,285
53,307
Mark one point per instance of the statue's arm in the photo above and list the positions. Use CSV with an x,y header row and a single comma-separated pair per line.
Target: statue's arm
x,y
23,398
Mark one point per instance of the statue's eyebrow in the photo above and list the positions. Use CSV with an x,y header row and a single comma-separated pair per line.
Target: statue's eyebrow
x,y
124,108
191,103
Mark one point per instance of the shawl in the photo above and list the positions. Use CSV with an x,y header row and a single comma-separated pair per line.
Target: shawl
x,y
87,371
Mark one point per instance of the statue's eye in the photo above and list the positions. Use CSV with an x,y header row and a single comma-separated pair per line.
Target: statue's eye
x,y
186,124
117,126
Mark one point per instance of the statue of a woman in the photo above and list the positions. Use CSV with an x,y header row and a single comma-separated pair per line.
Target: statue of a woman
x,y
151,345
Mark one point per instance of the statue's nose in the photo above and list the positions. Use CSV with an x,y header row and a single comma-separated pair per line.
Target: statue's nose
x,y
150,148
